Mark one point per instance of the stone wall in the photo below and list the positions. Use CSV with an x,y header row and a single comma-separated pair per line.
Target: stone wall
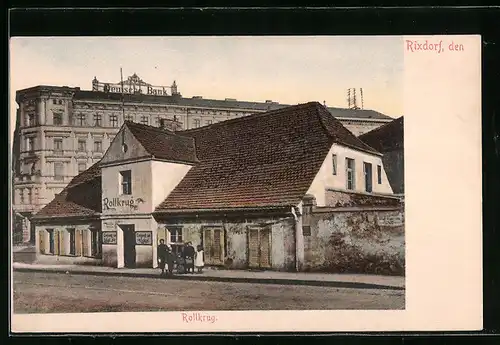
x,y
367,239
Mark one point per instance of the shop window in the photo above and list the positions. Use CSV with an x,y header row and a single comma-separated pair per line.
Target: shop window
x,y
126,182
95,243
176,239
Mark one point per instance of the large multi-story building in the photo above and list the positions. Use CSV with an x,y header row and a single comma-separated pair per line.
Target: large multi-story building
x,y
61,131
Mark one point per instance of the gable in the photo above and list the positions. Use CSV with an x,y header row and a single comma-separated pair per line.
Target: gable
x,y
133,149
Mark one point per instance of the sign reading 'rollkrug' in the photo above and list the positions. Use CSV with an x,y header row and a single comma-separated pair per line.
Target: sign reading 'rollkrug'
x,y
109,237
113,203
144,238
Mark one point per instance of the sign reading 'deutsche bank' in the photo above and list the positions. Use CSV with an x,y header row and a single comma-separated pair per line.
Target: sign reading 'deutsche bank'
x,y
132,85
144,238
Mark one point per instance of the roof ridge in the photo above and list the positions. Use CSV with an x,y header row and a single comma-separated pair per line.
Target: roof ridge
x,y
381,127
250,117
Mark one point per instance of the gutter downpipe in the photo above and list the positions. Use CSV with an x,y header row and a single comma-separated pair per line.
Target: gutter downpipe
x,y
296,236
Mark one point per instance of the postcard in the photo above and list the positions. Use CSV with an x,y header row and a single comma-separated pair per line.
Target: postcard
x,y
245,184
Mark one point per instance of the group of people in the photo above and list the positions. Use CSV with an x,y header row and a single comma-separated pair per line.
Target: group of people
x,y
187,260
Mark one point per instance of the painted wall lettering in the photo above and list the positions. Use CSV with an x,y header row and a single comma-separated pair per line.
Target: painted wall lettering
x,y
113,203
144,238
109,237
396,220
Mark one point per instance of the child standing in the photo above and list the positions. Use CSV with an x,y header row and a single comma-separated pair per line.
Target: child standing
x,y
198,262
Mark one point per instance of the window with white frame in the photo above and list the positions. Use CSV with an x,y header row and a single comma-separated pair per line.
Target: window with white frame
x,y
334,164
379,174
145,120
97,120
97,146
59,171
30,143
81,120
209,122
82,145
58,144
350,174
196,123
126,182
113,120
176,239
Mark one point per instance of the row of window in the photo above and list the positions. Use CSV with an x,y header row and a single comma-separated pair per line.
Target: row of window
x,y
82,145
71,242
350,167
81,120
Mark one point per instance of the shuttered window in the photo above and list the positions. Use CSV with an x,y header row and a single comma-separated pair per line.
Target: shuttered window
x,y
51,241
72,242
213,245
62,242
259,247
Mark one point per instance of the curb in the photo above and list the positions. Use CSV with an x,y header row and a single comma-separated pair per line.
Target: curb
x,y
339,284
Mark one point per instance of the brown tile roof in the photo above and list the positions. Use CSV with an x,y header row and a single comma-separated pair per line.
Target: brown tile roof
x,y
81,197
164,144
262,160
386,138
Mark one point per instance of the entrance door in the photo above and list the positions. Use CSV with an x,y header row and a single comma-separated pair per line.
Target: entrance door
x,y
259,247
128,245
368,177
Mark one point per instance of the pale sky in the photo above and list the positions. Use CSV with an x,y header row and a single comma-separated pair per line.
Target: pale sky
x,y
288,69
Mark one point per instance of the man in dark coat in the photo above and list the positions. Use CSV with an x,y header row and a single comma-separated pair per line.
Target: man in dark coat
x,y
189,253
162,256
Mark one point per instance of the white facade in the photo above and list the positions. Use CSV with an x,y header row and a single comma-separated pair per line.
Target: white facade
x,y
326,178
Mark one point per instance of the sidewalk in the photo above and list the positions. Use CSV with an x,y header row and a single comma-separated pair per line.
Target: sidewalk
x,y
360,281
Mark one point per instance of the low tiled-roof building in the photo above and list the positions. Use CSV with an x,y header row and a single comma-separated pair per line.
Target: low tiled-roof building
x,y
235,187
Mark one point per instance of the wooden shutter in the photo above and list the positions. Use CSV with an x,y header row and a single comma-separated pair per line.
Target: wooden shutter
x,y
85,243
56,242
253,247
78,243
265,247
217,244
62,242
207,245
41,241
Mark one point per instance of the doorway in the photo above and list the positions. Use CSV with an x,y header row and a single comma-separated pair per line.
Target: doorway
x,y
259,247
128,245
368,177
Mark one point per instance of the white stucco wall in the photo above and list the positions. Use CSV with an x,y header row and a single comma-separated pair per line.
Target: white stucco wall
x,y
142,187
326,179
165,177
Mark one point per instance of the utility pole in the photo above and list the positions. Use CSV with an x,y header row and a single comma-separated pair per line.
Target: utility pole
x,y
123,100
362,102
